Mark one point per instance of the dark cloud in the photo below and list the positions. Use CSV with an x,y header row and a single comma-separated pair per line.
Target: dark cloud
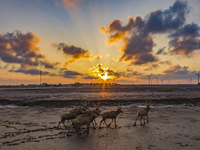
x,y
73,52
138,50
152,67
133,73
184,46
21,49
32,72
161,51
177,72
187,30
171,19
129,69
185,40
48,64
71,74
177,69
137,35
88,77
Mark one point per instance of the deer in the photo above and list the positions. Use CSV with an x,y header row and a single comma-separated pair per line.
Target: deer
x,y
84,119
73,113
97,110
142,113
79,110
110,115
67,116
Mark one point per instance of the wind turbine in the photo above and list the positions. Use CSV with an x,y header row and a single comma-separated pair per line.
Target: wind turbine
x,y
190,80
162,80
157,79
40,75
198,77
149,77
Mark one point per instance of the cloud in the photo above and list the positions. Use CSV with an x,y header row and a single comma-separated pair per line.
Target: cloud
x,y
152,67
48,64
4,67
137,37
121,32
170,19
67,3
166,62
187,30
88,77
64,72
22,49
185,40
177,69
72,52
161,51
32,72
133,73
99,71
71,74
129,69
138,50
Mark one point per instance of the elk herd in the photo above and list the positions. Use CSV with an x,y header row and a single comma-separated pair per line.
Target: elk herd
x,y
85,116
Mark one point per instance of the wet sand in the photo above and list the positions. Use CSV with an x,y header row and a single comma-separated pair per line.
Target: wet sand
x,y
35,128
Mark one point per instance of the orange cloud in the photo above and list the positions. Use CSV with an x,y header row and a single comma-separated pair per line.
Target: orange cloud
x,y
67,3
73,52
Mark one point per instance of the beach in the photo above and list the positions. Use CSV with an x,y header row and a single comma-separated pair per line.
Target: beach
x,y
173,123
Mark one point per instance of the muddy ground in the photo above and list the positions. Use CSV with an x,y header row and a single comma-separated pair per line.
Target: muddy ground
x,y
35,128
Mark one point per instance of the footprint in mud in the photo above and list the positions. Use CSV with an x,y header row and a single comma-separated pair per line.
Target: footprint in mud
x,y
53,123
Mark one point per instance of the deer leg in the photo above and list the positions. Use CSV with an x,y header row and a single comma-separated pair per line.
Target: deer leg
x,y
59,124
87,128
135,121
93,125
64,124
100,123
147,118
95,122
77,129
110,123
115,122
140,120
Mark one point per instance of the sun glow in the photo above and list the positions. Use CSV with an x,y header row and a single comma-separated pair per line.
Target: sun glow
x,y
104,77
102,73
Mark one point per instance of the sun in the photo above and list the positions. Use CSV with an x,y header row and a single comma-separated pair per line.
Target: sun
x,y
102,73
104,77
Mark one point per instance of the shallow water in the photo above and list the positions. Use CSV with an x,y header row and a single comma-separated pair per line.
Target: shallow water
x,y
131,96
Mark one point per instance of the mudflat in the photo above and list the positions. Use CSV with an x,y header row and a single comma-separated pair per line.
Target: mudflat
x,y
36,128
29,118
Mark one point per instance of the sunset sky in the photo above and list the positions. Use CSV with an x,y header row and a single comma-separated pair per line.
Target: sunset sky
x,y
88,41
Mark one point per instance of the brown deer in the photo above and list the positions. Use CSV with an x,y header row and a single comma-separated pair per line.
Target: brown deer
x,y
84,119
142,113
97,110
67,116
110,115
79,110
